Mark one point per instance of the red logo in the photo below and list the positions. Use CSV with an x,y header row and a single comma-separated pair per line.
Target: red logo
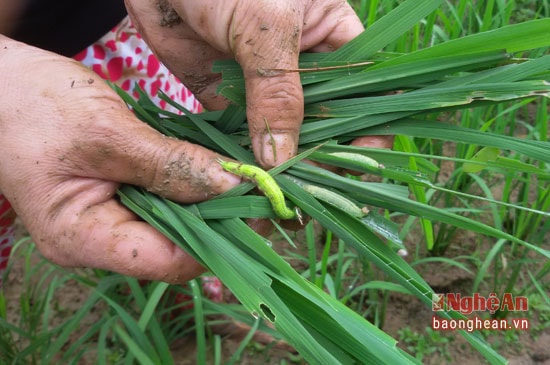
x,y
479,303
438,302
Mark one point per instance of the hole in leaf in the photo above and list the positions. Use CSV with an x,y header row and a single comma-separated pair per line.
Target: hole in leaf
x,y
267,312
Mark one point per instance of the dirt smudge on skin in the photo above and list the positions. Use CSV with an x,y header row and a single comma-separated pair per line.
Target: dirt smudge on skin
x,y
169,17
178,170
198,82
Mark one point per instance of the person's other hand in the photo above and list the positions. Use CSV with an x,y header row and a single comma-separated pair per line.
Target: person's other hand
x,y
67,142
189,35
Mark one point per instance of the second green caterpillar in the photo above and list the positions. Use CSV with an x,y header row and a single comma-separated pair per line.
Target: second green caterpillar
x,y
265,183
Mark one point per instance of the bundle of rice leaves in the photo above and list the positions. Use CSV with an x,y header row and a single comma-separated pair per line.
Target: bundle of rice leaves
x,y
355,91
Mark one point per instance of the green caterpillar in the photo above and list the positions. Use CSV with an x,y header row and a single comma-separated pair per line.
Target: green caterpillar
x,y
265,183
333,198
365,160
336,200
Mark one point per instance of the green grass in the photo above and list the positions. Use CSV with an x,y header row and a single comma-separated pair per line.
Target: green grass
x,y
470,160
425,344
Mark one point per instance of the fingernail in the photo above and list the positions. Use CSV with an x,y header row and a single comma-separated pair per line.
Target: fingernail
x,y
224,180
276,148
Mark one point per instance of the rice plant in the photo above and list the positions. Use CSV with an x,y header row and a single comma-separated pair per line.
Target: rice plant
x,y
343,102
431,73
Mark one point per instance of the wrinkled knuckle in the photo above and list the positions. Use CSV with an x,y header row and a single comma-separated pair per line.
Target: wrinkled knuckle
x,y
166,170
103,128
103,146
96,139
280,102
181,172
285,91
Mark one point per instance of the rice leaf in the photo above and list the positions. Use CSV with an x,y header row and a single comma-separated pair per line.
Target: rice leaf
x,y
384,31
400,76
427,99
373,194
248,206
200,333
138,343
537,150
135,348
249,281
513,38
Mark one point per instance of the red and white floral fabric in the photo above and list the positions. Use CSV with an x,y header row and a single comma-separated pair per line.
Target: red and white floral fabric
x,y
122,57
7,233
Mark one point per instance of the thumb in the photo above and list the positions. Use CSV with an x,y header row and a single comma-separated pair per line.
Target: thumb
x,y
267,50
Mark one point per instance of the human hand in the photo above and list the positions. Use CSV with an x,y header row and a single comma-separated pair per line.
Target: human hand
x,y
67,142
189,35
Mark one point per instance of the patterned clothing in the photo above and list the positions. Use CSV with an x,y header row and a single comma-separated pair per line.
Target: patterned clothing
x,y
122,57
7,233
